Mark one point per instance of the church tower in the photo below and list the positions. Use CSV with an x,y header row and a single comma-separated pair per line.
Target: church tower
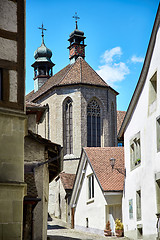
x,y
77,46
42,65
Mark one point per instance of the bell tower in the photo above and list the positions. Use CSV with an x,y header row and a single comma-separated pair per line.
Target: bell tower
x,y
43,64
77,46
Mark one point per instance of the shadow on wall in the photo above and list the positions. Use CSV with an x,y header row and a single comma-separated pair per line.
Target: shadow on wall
x,y
62,238
55,227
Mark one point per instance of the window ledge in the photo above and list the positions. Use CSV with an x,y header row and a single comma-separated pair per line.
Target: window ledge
x,y
136,166
90,200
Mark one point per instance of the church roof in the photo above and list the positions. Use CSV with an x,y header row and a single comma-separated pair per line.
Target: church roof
x,y
79,72
120,118
99,158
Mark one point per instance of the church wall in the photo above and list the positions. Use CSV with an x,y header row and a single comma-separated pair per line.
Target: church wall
x,y
105,97
55,102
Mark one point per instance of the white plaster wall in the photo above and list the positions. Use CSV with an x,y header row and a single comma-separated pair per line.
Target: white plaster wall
x,y
143,177
95,211
57,207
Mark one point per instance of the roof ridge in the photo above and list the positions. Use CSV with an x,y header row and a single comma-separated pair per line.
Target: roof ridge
x,y
96,73
66,73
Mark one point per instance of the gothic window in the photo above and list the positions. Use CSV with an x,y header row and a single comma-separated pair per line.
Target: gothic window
x,y
93,124
113,133
68,128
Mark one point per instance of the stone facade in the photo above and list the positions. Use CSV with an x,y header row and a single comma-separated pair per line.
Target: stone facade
x,y
80,96
12,117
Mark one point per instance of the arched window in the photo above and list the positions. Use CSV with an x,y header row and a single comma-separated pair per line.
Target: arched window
x,y
113,133
68,127
93,124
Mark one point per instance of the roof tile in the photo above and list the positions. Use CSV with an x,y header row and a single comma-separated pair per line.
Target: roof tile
x,y
110,180
120,118
78,73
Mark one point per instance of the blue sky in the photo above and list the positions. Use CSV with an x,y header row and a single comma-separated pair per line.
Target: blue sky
x,y
117,36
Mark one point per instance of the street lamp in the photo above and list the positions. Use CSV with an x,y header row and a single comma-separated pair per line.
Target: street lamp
x,y
120,170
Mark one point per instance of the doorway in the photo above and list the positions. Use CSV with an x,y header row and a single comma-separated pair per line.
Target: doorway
x,y
113,212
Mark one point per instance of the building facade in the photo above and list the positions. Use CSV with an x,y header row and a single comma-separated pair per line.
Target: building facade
x,y
97,192
12,117
141,132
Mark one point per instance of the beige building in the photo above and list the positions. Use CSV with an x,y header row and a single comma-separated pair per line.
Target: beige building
x,y
12,116
82,107
43,162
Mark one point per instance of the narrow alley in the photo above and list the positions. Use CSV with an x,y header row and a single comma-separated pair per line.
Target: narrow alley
x,y
58,230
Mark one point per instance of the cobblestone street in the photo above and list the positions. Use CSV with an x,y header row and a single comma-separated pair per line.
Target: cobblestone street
x,y
58,230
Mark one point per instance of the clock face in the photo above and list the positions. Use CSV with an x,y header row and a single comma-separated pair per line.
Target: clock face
x,y
80,50
77,50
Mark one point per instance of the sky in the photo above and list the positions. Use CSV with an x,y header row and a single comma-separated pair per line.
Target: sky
x,y
117,35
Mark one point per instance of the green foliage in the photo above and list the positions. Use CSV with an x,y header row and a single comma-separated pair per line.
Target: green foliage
x,y
119,224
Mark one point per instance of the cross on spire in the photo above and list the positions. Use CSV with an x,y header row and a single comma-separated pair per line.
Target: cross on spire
x,y
76,18
42,28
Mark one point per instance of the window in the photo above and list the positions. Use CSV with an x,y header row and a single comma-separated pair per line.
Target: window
x,y
158,134
93,124
157,178
138,204
139,231
135,151
152,93
153,89
90,187
68,129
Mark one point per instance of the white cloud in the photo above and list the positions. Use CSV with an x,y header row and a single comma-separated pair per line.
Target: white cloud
x,y
135,59
112,71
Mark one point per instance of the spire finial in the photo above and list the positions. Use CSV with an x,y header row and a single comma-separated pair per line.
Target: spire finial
x,y
76,18
42,28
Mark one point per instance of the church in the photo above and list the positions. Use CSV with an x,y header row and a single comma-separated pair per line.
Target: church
x,y
82,110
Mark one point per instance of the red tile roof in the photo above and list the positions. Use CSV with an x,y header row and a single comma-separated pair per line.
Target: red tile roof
x,y
67,180
120,118
78,73
100,161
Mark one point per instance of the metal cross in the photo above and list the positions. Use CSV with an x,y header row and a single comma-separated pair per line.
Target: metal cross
x,y
76,18
42,29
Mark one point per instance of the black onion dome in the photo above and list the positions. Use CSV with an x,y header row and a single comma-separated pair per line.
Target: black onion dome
x,y
76,32
43,52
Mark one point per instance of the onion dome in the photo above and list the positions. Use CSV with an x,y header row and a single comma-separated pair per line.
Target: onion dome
x,y
43,52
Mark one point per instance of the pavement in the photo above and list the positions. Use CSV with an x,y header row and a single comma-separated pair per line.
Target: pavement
x,y
58,230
